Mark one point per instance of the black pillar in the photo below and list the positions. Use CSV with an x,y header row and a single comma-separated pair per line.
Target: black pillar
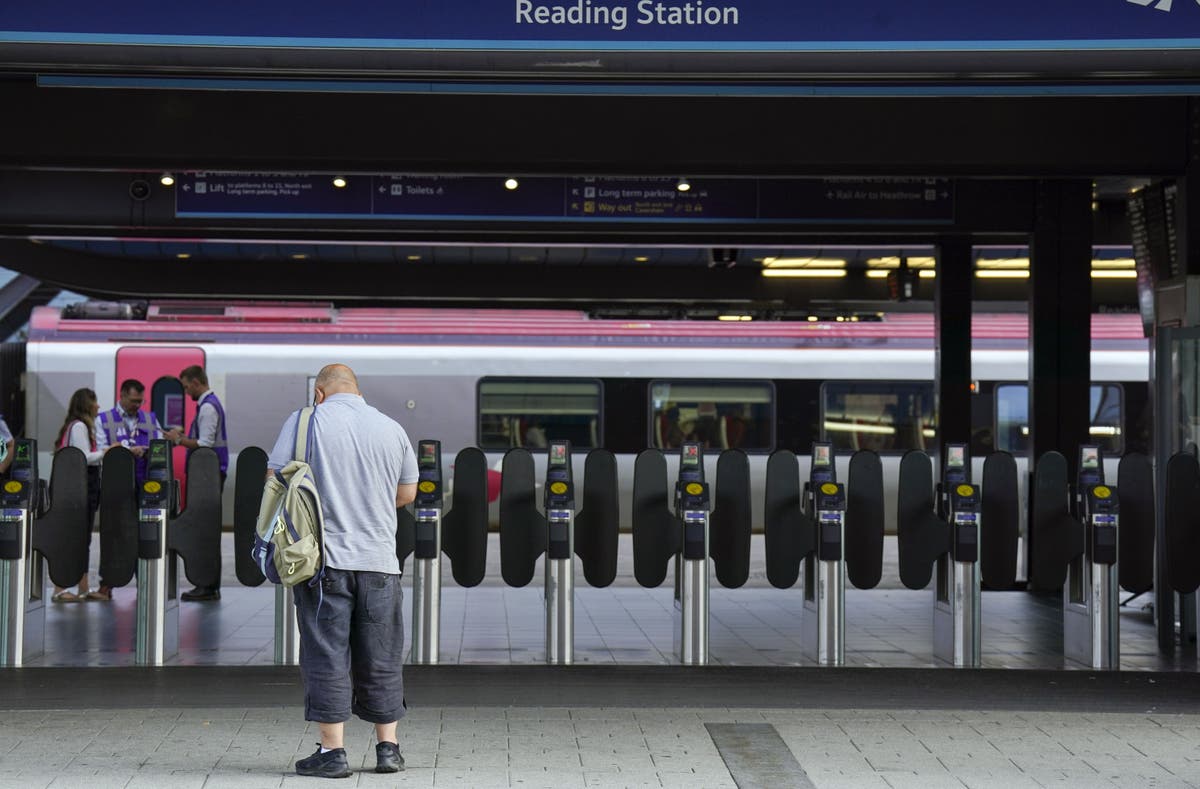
x,y
952,340
1168,412
1060,321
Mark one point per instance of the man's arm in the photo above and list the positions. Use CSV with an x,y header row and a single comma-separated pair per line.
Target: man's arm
x,y
405,494
207,419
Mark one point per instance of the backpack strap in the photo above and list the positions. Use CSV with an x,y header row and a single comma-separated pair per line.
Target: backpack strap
x,y
304,427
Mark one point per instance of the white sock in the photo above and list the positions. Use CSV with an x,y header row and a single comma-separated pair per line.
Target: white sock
x,y
325,750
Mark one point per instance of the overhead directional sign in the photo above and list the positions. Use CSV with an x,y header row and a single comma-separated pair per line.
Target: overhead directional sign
x,y
682,25
548,199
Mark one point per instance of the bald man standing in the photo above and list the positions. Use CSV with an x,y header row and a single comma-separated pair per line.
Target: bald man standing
x,y
351,628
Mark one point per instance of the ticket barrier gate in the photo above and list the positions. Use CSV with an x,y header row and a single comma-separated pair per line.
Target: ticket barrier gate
x,y
1181,528
559,534
1091,627
823,619
966,534
559,503
427,533
22,572
427,555
691,534
835,531
40,535
691,565
1077,548
157,570
247,498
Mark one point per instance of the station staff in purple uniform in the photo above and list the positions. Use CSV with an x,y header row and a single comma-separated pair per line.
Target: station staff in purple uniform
x,y
207,430
129,426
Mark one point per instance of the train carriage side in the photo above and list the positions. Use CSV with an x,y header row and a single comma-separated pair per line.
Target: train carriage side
x,y
611,385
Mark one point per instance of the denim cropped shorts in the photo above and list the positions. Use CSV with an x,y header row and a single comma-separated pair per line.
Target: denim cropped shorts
x,y
352,646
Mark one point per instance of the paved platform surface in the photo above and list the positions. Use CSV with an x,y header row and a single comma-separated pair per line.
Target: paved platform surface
x,y
610,728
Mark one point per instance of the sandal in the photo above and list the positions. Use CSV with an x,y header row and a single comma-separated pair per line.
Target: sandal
x,y
103,593
65,597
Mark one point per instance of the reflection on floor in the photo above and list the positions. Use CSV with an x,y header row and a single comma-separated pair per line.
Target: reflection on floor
x,y
490,624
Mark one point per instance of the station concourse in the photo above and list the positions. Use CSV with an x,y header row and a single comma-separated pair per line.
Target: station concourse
x,y
802,397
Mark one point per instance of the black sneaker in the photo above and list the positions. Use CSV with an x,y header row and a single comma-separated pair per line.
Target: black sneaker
x,y
388,758
331,764
201,594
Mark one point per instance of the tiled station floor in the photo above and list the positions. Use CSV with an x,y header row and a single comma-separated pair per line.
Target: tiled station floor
x,y
761,716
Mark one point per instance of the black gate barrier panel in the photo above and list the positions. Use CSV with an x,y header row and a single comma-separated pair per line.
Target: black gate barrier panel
x,y
118,517
1000,512
247,498
729,523
864,520
789,534
465,525
406,535
1058,536
1181,516
921,536
195,533
1135,538
657,533
63,534
597,524
524,532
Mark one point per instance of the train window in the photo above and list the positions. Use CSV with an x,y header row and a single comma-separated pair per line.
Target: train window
x,y
1012,417
886,416
718,414
531,412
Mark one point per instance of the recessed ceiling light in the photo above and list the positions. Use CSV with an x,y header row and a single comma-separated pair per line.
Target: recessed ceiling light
x,y
339,182
511,183
166,179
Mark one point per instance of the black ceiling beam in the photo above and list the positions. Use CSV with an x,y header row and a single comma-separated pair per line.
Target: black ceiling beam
x,y
117,278
1059,136
881,67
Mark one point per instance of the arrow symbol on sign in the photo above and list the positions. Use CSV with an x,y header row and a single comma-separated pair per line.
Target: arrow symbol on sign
x,y
382,189
1161,5
187,188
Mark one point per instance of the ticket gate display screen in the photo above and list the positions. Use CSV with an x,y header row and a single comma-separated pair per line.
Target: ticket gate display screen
x,y
690,467
22,465
1091,470
560,499
956,464
429,495
822,469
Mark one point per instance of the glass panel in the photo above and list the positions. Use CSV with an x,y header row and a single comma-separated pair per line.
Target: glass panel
x,y
718,414
1186,364
884,416
1012,418
531,412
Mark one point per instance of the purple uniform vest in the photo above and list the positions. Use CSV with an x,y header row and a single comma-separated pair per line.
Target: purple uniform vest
x,y
221,447
113,422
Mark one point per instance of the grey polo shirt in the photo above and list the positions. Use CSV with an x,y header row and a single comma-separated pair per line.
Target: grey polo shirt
x,y
359,456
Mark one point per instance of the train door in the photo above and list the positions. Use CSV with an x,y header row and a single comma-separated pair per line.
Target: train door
x,y
157,367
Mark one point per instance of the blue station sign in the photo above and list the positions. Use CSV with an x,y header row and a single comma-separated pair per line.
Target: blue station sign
x,y
573,199
666,25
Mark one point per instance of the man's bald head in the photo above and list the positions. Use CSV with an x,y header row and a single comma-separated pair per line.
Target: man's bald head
x,y
336,379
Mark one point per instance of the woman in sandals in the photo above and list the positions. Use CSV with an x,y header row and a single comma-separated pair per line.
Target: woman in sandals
x,y
79,431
